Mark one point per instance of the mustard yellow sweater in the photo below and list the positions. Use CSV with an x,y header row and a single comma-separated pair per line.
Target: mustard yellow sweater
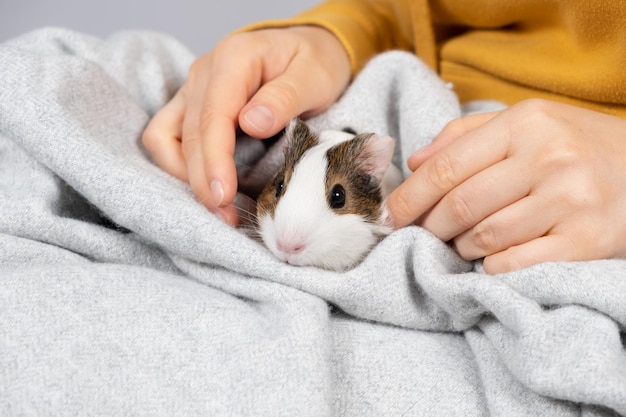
x,y
568,50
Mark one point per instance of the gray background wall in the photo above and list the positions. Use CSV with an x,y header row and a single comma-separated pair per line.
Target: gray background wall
x,y
197,23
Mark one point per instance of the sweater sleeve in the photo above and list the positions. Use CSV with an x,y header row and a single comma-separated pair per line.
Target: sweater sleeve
x,y
364,27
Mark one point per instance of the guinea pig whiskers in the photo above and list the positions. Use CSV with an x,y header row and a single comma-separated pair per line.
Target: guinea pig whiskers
x,y
246,207
247,216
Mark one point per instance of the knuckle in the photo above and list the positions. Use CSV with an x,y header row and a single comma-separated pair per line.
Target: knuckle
x,y
460,212
237,47
564,153
536,112
233,44
561,147
283,94
443,174
556,156
483,237
189,145
198,69
584,194
535,105
207,118
455,127
400,208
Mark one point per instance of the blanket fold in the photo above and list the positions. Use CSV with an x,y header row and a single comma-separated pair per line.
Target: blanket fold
x,y
120,294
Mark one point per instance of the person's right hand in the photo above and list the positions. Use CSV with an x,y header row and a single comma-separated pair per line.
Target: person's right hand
x,y
255,80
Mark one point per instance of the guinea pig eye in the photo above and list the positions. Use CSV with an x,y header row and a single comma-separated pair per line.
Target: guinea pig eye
x,y
279,187
337,197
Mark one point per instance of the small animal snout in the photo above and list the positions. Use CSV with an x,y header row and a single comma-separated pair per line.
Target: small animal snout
x,y
290,247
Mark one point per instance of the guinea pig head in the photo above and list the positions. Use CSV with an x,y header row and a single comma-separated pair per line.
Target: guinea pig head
x,y
323,208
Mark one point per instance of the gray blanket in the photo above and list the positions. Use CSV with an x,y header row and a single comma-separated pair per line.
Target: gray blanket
x,y
120,295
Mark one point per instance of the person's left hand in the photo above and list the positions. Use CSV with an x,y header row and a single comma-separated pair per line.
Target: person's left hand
x,y
539,181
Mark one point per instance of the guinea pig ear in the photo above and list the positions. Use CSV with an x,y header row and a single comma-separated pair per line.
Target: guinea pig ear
x,y
296,128
376,154
298,139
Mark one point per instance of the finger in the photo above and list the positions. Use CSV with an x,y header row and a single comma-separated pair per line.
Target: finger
x,y
483,194
513,225
452,131
162,136
553,247
228,214
209,135
445,170
296,91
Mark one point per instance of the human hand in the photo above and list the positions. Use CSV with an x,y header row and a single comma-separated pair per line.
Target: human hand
x,y
258,80
540,181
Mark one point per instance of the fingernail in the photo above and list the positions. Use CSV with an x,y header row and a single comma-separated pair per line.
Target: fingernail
x,y
217,192
260,117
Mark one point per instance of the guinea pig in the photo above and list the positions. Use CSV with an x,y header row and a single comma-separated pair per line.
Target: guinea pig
x,y
324,207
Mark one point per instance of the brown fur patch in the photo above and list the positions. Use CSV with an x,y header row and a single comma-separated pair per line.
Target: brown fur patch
x,y
299,140
347,167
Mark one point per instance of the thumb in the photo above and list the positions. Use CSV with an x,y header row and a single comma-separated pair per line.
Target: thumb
x,y
316,75
299,90
275,104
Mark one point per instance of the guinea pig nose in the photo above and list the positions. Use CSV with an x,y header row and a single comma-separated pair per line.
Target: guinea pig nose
x,y
289,247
